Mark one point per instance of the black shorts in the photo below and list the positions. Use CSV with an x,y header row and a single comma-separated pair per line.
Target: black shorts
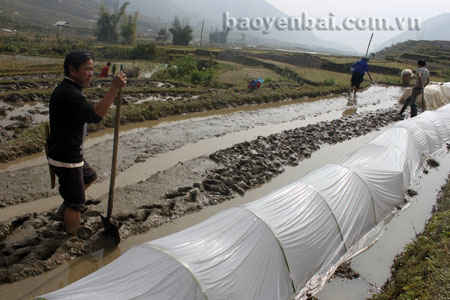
x,y
357,79
72,182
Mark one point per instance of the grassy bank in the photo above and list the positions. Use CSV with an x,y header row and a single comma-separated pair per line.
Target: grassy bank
x,y
422,271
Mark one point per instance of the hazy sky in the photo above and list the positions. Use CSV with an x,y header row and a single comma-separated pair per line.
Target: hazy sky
x,y
389,9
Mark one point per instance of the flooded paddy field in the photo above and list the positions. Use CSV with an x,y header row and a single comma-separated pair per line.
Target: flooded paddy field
x,y
174,173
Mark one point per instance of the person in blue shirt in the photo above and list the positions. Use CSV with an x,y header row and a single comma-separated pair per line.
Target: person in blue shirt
x,y
359,69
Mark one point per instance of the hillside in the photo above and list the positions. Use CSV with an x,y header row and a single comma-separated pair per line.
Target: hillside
x,y
436,28
38,13
196,11
436,53
39,16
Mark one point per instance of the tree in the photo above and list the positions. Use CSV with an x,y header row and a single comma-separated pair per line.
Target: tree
x,y
128,30
219,37
144,51
107,23
180,35
163,35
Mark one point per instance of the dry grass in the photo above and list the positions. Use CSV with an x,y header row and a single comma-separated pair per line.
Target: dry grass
x,y
242,75
316,75
22,65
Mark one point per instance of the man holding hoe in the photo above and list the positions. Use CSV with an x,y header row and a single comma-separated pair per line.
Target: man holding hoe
x,y
69,114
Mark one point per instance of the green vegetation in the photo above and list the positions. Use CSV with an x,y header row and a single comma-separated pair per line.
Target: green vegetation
x,y
107,24
163,35
446,74
423,270
329,82
128,29
219,37
190,69
181,35
46,45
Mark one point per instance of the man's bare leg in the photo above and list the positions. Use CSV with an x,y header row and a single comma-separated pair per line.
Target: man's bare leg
x,y
72,217
71,220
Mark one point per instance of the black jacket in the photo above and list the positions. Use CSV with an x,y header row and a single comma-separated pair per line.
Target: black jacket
x,y
69,111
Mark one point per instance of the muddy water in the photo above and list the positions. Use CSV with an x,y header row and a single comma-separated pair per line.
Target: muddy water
x,y
37,111
204,135
142,171
79,268
374,264
245,117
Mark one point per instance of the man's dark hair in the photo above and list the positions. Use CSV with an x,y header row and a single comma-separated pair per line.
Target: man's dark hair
x,y
421,63
76,59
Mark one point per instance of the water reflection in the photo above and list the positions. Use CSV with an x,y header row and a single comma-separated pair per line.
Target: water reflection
x,y
349,111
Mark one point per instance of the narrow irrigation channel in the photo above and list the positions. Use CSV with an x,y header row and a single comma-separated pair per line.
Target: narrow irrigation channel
x,y
373,265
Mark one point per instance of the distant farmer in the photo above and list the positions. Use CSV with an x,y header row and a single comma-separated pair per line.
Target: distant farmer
x,y
407,74
69,114
359,69
105,70
422,80
255,83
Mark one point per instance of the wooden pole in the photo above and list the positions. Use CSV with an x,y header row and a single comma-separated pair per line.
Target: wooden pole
x,y
201,35
114,157
368,46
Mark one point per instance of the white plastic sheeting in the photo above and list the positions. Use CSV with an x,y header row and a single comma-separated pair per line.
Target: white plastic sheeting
x,y
403,140
445,87
132,276
270,248
418,134
435,96
385,172
227,252
443,113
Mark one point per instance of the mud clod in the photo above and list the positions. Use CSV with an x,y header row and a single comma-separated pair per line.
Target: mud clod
x,y
345,271
411,192
432,163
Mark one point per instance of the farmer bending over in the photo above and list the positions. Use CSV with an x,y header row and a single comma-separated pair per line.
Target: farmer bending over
x,y
422,80
69,114
359,69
